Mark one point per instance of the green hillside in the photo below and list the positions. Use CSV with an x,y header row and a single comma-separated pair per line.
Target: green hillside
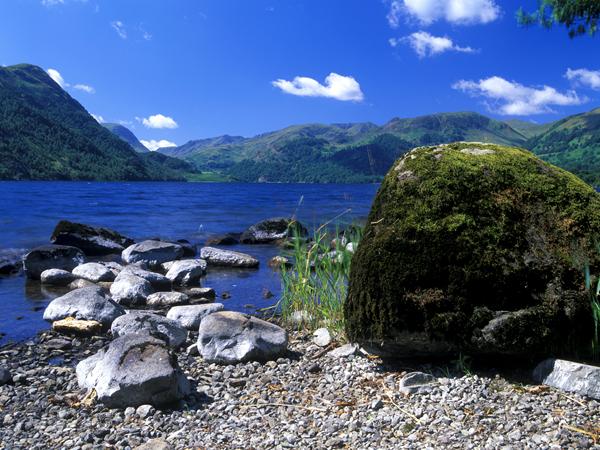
x,y
47,135
528,129
126,135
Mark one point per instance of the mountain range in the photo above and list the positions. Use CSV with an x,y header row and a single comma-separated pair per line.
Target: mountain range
x,y
47,135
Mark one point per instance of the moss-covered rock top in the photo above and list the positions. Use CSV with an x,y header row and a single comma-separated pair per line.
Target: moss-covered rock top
x,y
475,247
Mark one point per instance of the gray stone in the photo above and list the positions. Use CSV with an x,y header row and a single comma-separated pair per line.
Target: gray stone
x,y
167,299
273,229
94,272
145,411
134,370
88,303
152,252
227,258
5,376
344,351
190,316
91,240
57,277
154,444
142,322
192,349
232,337
11,261
129,289
322,337
112,266
158,281
186,272
202,292
414,382
81,283
51,257
569,376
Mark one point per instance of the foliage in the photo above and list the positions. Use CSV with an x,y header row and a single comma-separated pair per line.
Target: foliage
x,y
316,285
594,293
578,16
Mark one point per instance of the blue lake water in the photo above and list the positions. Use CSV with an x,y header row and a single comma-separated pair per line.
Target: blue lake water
x,y
194,211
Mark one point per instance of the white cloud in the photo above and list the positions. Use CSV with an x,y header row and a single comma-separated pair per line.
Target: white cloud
x,y
98,118
57,77
85,88
585,77
153,145
463,12
53,2
119,27
424,44
336,86
158,121
147,36
514,99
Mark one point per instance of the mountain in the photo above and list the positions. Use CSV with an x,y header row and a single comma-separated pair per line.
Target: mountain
x,y
528,129
346,152
126,135
47,135
572,143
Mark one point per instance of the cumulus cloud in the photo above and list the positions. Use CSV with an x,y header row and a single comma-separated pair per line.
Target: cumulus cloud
x,y
154,145
336,86
158,121
585,77
514,99
98,118
424,44
462,12
57,77
85,88
119,27
52,2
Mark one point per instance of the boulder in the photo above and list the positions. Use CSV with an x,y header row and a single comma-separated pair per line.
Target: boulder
x,y
152,253
158,281
51,257
114,267
231,337
129,289
227,258
167,299
76,326
186,272
91,240
134,370
224,239
569,376
94,272
190,316
88,303
142,322
57,277
79,283
189,249
11,261
271,230
207,293
474,248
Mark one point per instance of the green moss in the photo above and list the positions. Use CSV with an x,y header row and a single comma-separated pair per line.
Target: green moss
x,y
465,226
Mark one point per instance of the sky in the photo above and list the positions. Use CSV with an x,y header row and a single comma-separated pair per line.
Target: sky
x,y
177,70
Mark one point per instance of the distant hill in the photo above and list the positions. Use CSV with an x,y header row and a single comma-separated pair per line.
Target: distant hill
x,y
528,129
47,135
126,135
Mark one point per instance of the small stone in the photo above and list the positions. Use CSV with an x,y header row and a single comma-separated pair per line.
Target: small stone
x,y
129,411
322,337
5,376
192,350
70,325
376,404
414,382
314,368
344,351
145,410
154,444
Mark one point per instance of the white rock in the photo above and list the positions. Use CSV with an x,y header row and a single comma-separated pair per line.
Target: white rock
x,y
130,289
227,258
569,376
190,316
344,351
94,272
322,337
56,277
186,272
167,299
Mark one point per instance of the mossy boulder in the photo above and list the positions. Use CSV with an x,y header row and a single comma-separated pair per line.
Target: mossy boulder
x,y
476,248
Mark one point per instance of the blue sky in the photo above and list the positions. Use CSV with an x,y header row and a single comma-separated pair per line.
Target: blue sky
x,y
186,69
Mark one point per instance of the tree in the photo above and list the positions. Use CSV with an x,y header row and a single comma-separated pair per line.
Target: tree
x,y
578,16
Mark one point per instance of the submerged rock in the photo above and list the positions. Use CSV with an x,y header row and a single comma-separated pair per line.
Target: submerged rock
x,y
51,257
134,370
91,240
57,277
140,322
88,303
190,316
474,251
271,230
227,258
231,337
11,261
152,253
186,272
224,239
94,272
129,289
569,376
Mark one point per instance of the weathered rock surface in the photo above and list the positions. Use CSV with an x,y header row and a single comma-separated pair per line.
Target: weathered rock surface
x,y
415,382
91,240
51,257
186,272
344,351
11,261
79,283
224,239
271,230
207,293
158,281
152,253
76,326
161,299
322,337
134,370
57,277
5,376
129,289
89,303
474,251
141,322
227,258
231,337
190,316
569,376
94,272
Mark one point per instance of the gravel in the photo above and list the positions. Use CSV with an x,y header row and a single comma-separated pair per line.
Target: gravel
x,y
307,399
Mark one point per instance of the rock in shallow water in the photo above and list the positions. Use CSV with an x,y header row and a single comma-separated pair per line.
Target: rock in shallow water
x,y
94,272
231,337
11,261
271,230
51,257
134,370
167,299
141,322
227,258
129,289
91,240
186,272
152,253
190,316
57,277
569,376
88,303
158,281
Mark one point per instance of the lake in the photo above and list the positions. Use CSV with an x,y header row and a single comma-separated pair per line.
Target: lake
x,y
29,212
